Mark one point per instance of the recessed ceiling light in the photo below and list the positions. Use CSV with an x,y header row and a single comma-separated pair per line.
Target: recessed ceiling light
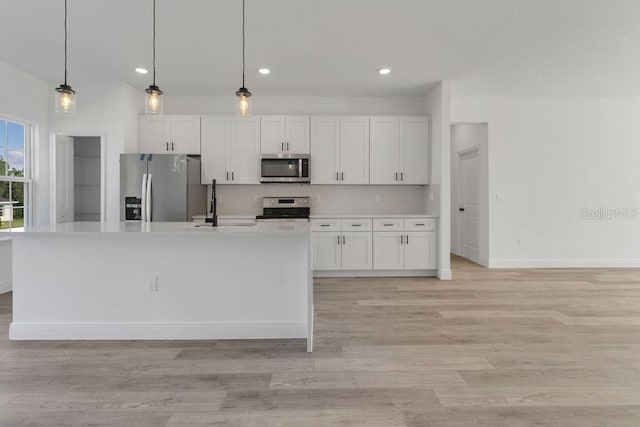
x,y
142,70
384,71
264,71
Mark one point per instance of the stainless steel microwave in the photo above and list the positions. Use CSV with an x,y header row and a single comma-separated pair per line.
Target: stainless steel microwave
x,y
285,167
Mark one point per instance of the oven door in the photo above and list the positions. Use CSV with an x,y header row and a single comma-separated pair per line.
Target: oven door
x,y
284,168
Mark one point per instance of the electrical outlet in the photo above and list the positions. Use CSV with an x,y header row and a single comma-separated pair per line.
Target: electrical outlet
x,y
377,197
152,284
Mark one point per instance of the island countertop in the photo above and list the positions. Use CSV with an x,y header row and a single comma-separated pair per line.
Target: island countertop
x,y
164,228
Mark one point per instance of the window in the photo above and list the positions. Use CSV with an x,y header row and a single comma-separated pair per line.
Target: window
x,y
15,174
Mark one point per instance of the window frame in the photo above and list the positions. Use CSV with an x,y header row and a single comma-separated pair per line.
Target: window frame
x,y
27,179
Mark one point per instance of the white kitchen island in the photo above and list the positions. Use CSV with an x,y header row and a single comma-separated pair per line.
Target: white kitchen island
x,y
162,281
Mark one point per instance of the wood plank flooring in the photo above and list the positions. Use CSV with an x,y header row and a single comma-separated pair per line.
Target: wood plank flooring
x,y
546,347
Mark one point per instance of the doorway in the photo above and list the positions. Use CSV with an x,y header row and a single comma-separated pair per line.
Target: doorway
x,y
78,172
469,192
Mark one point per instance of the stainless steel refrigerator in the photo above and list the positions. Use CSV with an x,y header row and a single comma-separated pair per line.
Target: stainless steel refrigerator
x,y
160,187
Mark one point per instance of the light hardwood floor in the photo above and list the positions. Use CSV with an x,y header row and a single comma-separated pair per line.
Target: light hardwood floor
x,y
490,348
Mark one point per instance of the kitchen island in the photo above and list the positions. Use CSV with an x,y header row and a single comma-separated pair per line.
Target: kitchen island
x,y
162,281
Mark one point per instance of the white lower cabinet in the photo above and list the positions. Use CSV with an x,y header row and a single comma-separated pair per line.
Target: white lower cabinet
x,y
327,251
381,244
419,250
388,253
357,250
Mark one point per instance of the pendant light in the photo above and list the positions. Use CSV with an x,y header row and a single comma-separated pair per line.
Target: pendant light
x,y
153,102
65,96
243,106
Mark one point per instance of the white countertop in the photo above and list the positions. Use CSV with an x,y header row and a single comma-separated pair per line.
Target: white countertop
x,y
162,228
316,216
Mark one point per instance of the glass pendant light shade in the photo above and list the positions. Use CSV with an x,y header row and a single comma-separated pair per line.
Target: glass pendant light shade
x,y
153,100
65,100
65,96
243,103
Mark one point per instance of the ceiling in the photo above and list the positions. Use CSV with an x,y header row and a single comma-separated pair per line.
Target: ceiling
x,y
334,47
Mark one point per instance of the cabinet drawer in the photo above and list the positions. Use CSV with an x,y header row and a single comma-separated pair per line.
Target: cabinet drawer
x,y
388,224
325,224
419,224
356,224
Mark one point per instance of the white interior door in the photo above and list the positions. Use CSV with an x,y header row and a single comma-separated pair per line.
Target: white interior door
x,y
469,209
63,180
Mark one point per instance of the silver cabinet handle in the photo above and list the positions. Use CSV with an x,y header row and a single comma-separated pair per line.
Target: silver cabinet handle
x,y
344,241
172,147
342,176
233,176
282,146
338,239
388,225
337,176
420,224
167,145
401,239
407,239
325,225
401,176
287,146
356,225
227,176
396,176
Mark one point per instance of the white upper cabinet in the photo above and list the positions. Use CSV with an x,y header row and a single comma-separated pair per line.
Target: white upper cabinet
x,y
400,150
245,151
230,150
169,134
414,150
354,150
285,134
325,150
216,146
340,150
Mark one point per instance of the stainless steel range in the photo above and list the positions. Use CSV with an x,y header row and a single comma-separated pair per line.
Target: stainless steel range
x,y
285,209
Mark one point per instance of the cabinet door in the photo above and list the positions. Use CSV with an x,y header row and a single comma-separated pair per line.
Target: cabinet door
x,y
272,134
245,151
414,151
388,251
354,150
326,251
216,144
384,150
420,250
357,251
297,135
154,134
325,147
185,134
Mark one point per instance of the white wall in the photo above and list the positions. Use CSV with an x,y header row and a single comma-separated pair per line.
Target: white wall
x,y
437,195
24,97
111,109
550,158
296,105
465,136
326,199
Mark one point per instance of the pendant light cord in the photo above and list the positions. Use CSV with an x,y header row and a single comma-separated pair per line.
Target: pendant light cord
x,y
65,42
242,43
154,42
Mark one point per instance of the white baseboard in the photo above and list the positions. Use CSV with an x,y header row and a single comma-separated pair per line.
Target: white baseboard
x,y
153,331
565,263
5,286
374,273
445,274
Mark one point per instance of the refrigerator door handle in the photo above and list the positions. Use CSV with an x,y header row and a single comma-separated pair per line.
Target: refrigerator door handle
x,y
149,204
143,208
